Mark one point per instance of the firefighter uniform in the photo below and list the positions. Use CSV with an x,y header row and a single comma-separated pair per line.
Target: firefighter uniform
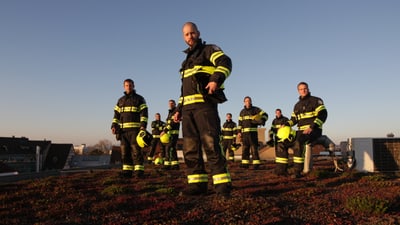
x,y
228,138
249,120
281,150
171,158
309,112
201,125
130,114
157,127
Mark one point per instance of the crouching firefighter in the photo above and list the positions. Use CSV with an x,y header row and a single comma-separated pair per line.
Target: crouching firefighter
x,y
129,126
285,139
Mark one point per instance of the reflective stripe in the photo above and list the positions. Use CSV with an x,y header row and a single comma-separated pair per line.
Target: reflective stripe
x,y
190,99
167,163
173,163
127,167
221,178
245,161
174,131
139,167
130,125
156,136
251,129
298,159
281,160
227,137
197,178
256,162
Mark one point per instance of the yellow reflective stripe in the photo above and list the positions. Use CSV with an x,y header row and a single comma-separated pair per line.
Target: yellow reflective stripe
x,y
180,100
167,163
298,159
281,160
143,119
221,178
245,161
130,125
246,117
227,137
251,129
223,70
228,129
304,127
256,162
142,106
129,109
319,122
139,167
117,108
320,108
215,56
174,131
173,163
197,178
115,120
307,115
127,167
156,136
190,99
149,158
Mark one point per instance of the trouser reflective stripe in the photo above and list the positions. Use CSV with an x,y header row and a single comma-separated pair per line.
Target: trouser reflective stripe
x,y
281,160
139,167
173,163
298,159
245,161
127,167
197,178
256,162
221,178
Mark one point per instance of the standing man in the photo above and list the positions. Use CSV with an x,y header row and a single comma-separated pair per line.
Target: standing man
x,y
309,114
157,127
277,123
203,73
130,117
229,136
249,119
172,130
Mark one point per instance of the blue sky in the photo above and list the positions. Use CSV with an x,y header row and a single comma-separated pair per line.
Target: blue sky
x,y
62,63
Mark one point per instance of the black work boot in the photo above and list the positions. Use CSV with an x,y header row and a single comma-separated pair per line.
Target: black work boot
x,y
195,189
223,190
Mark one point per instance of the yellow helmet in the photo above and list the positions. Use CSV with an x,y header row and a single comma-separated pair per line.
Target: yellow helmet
x,y
165,138
143,138
286,134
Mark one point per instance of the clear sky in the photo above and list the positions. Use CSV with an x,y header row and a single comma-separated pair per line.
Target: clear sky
x,y
62,63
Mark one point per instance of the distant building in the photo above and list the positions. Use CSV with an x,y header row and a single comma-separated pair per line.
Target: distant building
x,y
24,155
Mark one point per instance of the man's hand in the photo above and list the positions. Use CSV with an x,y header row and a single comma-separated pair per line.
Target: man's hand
x,y
177,117
211,86
307,131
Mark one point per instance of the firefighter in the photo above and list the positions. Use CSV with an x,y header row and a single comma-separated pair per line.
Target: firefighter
x,y
285,139
229,137
203,73
250,118
277,123
157,127
172,130
130,117
309,114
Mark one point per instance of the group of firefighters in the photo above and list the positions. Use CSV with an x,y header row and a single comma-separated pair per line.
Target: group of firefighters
x,y
203,73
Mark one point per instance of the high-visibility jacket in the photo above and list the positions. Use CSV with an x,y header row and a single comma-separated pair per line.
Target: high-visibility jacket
x,y
247,122
157,127
309,111
171,126
204,63
229,130
130,112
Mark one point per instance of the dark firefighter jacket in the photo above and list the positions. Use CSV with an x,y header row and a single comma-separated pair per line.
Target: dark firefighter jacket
x,y
171,126
229,130
203,64
130,112
157,127
248,121
308,112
